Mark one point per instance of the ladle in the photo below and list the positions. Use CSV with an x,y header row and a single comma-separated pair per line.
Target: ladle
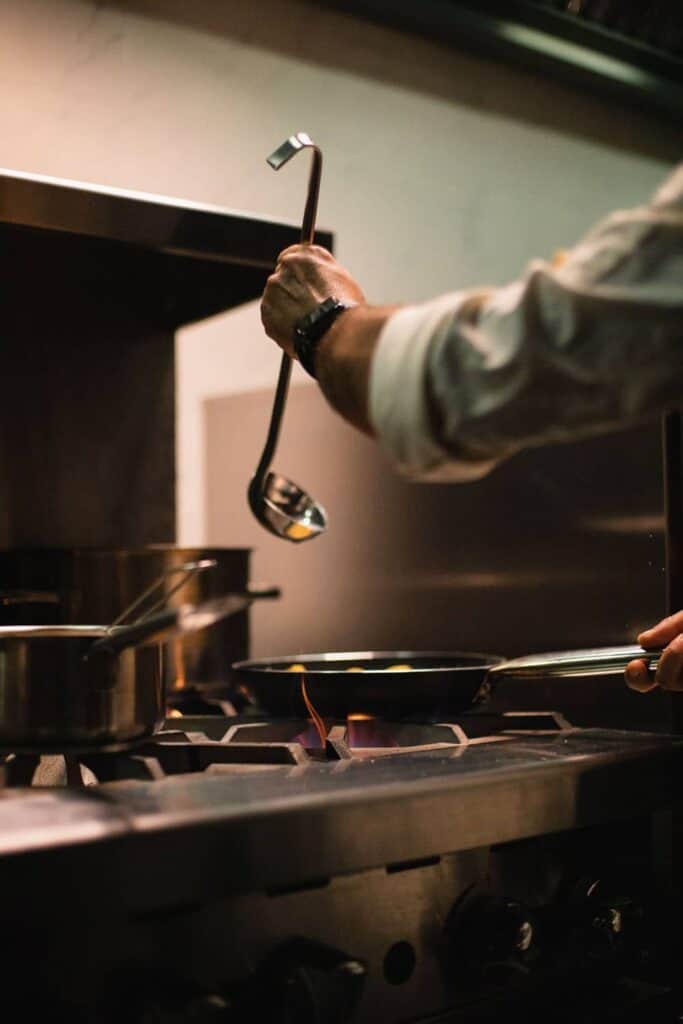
x,y
281,506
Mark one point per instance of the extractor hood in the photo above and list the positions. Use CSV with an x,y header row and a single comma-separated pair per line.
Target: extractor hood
x,y
619,47
171,262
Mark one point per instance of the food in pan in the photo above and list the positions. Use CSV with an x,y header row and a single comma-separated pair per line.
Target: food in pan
x,y
354,668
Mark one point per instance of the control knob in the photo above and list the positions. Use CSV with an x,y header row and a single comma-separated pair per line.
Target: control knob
x,y
606,926
492,936
309,983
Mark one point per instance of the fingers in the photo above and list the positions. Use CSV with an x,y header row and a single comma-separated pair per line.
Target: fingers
x,y
638,677
278,310
663,633
305,251
305,275
669,674
670,669
667,634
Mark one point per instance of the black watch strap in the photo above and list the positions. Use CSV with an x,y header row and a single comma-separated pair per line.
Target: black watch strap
x,y
310,329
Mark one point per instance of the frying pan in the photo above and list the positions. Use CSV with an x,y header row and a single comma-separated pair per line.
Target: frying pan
x,y
439,681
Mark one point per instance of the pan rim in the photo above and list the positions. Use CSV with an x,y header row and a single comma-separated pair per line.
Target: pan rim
x,y
266,665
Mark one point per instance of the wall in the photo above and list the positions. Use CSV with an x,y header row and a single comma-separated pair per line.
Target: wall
x,y
442,170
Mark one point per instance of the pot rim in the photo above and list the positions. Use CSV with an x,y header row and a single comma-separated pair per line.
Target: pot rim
x,y
70,631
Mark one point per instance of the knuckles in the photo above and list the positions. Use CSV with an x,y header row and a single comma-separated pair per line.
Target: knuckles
x,y
304,254
670,668
669,674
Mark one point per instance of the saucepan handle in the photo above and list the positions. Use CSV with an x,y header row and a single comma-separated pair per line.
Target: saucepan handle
x,y
178,621
15,597
594,661
257,591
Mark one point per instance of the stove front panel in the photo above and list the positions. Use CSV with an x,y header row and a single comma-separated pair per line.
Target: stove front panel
x,y
567,922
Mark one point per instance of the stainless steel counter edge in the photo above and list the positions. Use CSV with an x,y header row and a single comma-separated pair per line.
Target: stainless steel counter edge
x,y
290,826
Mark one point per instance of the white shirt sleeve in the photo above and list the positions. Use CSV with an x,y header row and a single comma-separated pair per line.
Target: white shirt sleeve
x,y
471,377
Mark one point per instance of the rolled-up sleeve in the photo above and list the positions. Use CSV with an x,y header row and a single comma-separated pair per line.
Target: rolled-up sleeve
x,y
465,380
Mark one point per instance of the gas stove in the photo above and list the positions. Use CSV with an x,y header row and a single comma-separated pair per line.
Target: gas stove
x,y
220,745
235,868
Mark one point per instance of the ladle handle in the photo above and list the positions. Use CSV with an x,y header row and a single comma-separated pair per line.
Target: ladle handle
x,y
311,208
276,160
269,447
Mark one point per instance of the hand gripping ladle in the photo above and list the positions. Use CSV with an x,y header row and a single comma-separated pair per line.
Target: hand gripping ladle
x,y
278,504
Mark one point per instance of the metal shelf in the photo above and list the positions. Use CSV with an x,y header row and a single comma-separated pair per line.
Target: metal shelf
x,y
171,261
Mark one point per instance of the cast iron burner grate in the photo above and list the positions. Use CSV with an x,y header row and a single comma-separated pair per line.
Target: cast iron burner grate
x,y
218,745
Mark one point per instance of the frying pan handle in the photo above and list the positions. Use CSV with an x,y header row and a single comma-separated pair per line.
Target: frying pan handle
x,y
595,661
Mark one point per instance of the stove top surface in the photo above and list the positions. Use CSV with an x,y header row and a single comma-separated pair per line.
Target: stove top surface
x,y
239,826
211,867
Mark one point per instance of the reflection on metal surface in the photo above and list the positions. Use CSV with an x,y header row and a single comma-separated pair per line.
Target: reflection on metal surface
x,y
623,524
513,579
179,661
633,52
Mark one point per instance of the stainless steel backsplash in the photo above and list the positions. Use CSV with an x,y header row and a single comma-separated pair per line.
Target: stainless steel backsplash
x,y
558,547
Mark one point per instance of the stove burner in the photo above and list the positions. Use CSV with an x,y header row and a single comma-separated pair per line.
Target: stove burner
x,y
216,745
210,699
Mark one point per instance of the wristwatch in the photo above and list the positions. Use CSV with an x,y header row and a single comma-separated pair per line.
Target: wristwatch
x,y
309,330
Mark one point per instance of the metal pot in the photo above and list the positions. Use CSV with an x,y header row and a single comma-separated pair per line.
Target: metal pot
x,y
59,586
69,688
52,700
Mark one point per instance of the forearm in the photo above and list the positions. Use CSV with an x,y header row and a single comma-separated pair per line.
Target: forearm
x,y
594,345
452,386
568,351
344,360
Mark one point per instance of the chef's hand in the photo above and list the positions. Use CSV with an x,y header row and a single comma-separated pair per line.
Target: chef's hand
x,y
667,634
304,277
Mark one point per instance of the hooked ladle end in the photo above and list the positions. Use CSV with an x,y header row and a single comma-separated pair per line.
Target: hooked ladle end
x,y
289,147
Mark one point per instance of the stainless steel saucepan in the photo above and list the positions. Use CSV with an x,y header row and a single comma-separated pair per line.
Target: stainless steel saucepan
x,y
76,688
67,586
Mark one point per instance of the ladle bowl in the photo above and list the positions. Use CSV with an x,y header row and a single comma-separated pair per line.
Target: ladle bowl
x,y
286,510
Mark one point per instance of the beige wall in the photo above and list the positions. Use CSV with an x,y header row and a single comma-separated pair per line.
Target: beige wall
x,y
442,170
